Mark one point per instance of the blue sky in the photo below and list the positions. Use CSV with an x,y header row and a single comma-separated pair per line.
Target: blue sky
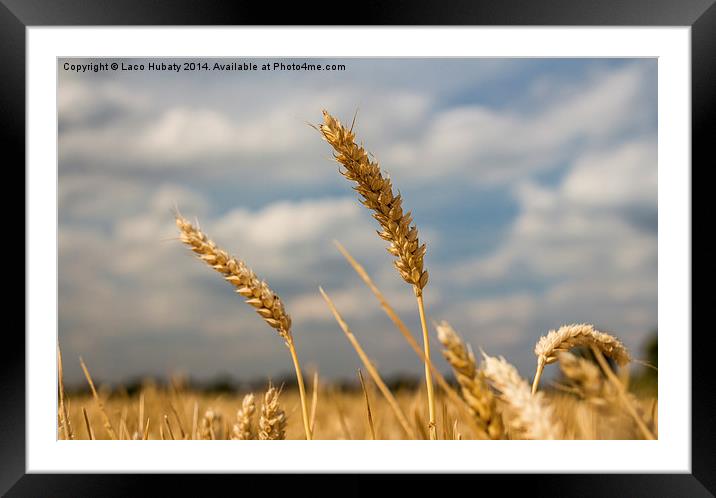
x,y
532,181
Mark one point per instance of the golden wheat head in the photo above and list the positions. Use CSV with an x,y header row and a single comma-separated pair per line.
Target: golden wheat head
x,y
474,388
526,416
272,423
377,195
242,428
581,334
256,291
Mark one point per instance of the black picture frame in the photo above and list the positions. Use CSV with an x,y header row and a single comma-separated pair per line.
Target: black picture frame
x,y
17,15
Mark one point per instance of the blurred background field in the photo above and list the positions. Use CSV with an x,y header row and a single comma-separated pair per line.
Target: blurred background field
x,y
340,408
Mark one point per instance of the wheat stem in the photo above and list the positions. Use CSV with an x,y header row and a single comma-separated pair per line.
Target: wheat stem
x,y
367,406
432,427
98,401
314,402
622,392
538,374
301,391
90,433
66,426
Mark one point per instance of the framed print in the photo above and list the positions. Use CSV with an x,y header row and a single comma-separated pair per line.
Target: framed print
x,y
435,241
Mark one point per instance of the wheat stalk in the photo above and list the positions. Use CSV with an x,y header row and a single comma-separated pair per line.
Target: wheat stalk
x,y
570,336
90,432
621,391
314,401
525,416
64,415
272,423
242,427
169,427
257,293
369,413
472,381
98,401
377,195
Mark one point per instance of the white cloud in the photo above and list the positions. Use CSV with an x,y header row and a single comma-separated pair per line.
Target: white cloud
x,y
489,146
615,178
79,102
287,223
142,277
580,225
576,240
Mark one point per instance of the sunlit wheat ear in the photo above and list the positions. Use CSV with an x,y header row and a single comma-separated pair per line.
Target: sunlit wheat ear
x,y
570,336
376,191
474,388
272,423
256,291
210,425
525,416
377,195
242,428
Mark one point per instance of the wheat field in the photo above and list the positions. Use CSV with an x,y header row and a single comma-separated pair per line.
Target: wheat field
x,y
484,397
173,412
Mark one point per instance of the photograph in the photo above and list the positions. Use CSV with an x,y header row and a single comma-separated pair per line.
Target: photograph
x,y
437,248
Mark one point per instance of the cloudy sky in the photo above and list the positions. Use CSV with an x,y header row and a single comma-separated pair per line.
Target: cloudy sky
x,y
532,181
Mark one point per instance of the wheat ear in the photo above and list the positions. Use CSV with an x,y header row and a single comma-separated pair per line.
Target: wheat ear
x,y
570,336
272,423
377,195
472,382
242,427
525,416
256,291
